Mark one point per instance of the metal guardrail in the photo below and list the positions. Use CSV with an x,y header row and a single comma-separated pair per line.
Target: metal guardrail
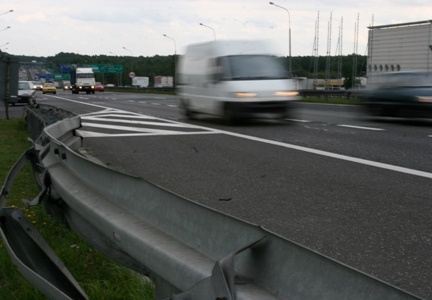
x,y
190,251
40,115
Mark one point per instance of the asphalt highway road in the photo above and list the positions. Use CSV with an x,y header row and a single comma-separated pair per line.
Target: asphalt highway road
x,y
331,179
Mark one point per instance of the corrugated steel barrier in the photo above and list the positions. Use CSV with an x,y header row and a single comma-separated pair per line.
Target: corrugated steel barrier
x,y
190,251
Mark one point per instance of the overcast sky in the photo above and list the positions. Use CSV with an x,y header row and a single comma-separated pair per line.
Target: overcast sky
x,y
106,27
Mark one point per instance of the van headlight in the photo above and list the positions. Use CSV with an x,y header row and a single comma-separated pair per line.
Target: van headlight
x,y
244,95
425,98
286,93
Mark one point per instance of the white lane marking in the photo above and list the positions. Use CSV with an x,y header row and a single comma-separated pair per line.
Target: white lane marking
x,y
111,112
172,105
126,128
295,147
297,120
361,127
137,122
89,134
156,104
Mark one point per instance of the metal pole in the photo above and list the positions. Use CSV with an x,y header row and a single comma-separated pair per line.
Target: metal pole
x,y
131,63
131,56
175,57
214,32
9,11
289,37
8,83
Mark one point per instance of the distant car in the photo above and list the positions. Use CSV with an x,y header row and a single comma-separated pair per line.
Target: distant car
x,y
37,85
67,86
398,94
99,87
26,93
49,87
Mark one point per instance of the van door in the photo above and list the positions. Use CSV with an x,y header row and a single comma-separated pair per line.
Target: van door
x,y
205,96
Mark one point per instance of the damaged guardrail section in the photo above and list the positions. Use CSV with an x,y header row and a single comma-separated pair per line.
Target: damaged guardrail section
x,y
190,251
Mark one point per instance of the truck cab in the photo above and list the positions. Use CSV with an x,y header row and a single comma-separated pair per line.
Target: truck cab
x,y
82,80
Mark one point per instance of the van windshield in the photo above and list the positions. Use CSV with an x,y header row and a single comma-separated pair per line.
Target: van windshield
x,y
24,86
251,67
84,75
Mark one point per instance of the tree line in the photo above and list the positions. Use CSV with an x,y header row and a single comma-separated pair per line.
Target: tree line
x,y
322,67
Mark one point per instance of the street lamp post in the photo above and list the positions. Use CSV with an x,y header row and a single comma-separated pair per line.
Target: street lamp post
x,y
118,74
131,65
214,32
9,11
131,55
289,23
5,28
175,57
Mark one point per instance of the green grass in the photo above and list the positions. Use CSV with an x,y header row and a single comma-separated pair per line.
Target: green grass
x,y
98,276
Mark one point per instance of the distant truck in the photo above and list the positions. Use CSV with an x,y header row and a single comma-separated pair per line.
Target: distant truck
x,y
140,81
82,80
163,81
233,80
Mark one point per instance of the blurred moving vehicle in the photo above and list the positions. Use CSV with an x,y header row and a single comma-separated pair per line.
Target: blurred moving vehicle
x,y
49,87
37,85
99,87
398,94
234,80
26,93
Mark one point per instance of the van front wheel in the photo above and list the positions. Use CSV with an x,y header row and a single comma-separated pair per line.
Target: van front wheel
x,y
229,116
186,110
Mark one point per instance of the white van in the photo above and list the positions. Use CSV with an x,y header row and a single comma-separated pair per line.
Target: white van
x,y
234,79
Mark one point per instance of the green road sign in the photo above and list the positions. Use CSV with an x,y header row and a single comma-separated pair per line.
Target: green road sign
x,y
63,76
97,68
100,68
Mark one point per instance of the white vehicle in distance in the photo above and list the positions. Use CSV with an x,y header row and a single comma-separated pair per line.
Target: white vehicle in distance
x,y
26,93
234,80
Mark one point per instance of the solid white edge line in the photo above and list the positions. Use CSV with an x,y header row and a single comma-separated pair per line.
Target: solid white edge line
x,y
337,156
361,127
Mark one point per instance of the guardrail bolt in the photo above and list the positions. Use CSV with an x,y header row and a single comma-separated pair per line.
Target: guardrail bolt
x,y
56,151
63,156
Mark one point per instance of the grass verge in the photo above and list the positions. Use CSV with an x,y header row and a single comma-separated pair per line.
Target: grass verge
x,y
98,276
